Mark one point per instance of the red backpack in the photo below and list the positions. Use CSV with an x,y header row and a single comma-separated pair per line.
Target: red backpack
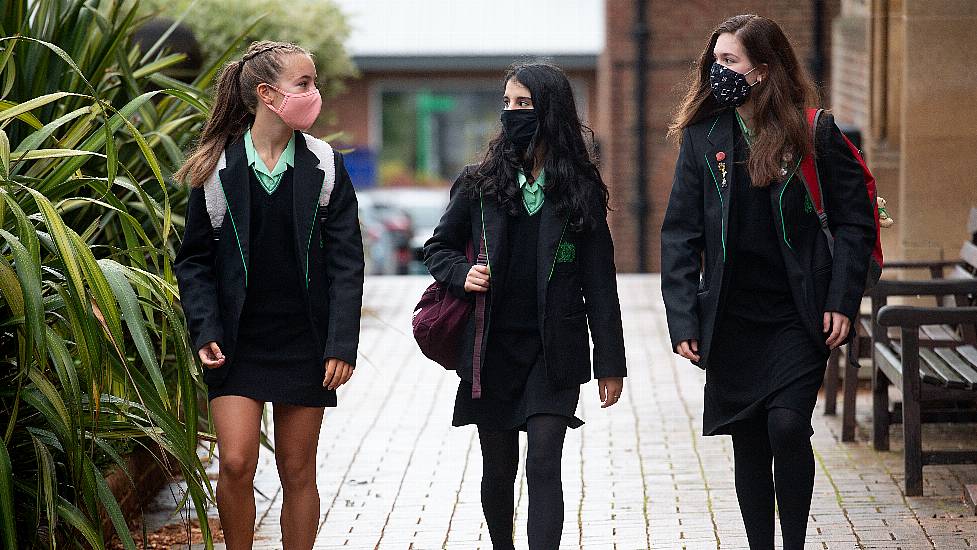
x,y
812,181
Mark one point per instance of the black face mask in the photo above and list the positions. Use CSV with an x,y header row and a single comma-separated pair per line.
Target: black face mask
x,y
519,127
729,87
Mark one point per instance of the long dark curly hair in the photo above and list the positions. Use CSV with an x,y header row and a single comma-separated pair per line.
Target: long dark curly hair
x,y
572,178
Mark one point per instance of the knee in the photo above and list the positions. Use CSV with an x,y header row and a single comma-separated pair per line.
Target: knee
x,y
541,468
789,431
500,469
237,467
296,471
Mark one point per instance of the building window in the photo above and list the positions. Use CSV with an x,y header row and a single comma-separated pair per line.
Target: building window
x,y
424,132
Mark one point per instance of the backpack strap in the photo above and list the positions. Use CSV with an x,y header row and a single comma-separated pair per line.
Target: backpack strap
x,y
327,163
214,195
812,177
216,201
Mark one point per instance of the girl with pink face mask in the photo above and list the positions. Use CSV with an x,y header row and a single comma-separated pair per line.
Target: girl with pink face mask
x,y
270,271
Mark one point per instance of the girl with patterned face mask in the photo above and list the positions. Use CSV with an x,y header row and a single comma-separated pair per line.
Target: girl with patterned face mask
x,y
271,280
752,292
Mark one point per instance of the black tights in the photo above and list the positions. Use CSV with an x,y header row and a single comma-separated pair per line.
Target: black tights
x,y
784,439
500,460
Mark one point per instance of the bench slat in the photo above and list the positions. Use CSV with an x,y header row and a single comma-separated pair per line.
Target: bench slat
x,y
927,374
887,360
892,355
968,366
938,333
929,335
946,375
969,353
965,370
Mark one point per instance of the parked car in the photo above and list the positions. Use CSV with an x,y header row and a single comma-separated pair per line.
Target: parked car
x,y
424,206
386,236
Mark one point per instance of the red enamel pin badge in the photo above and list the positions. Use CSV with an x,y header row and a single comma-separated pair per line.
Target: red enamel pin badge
x,y
720,159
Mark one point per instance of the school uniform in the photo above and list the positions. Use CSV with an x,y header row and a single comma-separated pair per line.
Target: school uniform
x,y
748,272
547,282
279,285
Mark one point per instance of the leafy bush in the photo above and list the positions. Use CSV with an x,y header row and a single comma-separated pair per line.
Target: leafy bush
x,y
94,349
317,25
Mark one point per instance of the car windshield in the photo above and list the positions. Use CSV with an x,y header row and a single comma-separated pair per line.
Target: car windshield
x,y
424,216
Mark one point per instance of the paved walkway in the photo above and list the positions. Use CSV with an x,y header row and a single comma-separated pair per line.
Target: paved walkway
x,y
393,474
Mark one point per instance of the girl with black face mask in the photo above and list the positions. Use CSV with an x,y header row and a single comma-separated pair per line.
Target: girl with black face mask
x,y
537,205
752,293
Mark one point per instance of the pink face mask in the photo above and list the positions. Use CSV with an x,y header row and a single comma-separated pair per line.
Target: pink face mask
x,y
298,111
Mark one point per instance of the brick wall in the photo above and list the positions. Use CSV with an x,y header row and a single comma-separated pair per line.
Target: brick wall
x,y
679,31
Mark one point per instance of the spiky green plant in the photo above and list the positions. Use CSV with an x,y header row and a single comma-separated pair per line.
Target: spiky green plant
x,y
94,350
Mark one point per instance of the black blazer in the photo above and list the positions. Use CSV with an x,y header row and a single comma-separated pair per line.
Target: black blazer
x,y
697,221
211,272
569,294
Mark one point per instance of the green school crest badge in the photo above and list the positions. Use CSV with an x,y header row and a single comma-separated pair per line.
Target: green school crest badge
x,y
566,252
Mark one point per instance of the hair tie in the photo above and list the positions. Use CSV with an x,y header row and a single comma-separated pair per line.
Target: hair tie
x,y
266,49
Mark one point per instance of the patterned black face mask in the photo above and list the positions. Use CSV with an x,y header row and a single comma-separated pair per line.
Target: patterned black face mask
x,y
729,87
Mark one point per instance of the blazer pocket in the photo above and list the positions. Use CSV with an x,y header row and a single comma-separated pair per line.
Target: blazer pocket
x,y
565,267
701,298
576,311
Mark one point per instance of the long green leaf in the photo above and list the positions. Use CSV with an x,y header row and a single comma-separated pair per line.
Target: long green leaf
x,y
4,155
34,140
115,273
29,274
101,291
55,153
8,523
114,511
46,482
60,419
158,65
7,107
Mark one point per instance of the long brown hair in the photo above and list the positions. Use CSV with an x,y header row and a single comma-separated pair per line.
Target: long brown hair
x,y
779,125
235,101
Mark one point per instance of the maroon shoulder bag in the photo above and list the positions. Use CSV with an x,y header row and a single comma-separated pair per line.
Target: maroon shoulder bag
x,y
439,323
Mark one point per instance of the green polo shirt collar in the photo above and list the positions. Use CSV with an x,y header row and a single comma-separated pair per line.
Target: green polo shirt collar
x,y
532,195
269,179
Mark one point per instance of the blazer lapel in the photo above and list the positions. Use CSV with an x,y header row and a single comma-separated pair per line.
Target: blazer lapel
x,y
722,172
494,222
551,228
307,181
235,181
777,191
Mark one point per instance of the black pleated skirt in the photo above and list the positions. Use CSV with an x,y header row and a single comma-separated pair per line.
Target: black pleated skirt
x,y
762,357
537,396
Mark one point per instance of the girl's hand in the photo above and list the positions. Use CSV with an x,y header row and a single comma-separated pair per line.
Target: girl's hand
x,y
688,349
836,326
478,279
610,389
211,355
338,372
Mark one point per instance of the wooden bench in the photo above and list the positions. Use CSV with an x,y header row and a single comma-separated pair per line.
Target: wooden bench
x,y
938,384
930,336
862,345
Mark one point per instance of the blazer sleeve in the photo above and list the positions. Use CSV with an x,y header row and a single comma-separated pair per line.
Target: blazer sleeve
x,y
683,241
195,275
599,285
444,252
344,269
851,218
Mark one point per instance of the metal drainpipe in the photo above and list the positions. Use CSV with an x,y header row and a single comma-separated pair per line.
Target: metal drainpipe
x,y
640,33
817,56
